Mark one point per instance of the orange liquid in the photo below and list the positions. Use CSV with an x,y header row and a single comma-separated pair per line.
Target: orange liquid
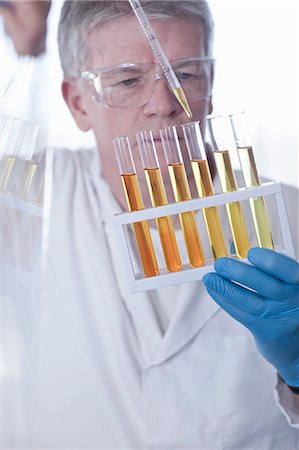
x,y
141,229
164,224
188,222
205,189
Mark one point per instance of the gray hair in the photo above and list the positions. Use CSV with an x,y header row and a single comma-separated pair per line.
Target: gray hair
x,y
78,18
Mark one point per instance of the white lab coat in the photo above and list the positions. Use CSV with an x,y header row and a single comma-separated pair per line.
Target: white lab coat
x,y
108,378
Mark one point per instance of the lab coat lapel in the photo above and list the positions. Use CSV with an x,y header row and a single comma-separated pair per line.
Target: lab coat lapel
x,y
194,310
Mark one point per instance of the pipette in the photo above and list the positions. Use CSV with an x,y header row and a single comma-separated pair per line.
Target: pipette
x,y
161,56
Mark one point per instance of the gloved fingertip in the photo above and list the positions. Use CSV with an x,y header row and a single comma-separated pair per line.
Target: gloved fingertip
x,y
255,253
213,281
220,264
208,280
276,264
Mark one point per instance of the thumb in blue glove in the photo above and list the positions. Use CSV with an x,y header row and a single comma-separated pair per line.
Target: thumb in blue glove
x,y
266,302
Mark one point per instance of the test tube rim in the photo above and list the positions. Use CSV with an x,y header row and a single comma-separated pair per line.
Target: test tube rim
x,y
138,133
202,150
178,146
126,137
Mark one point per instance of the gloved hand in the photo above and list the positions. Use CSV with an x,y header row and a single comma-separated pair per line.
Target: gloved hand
x,y
271,313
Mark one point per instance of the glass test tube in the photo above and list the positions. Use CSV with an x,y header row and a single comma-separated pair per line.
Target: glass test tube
x,y
181,192
6,166
28,167
134,200
158,198
10,131
204,184
251,178
228,184
17,170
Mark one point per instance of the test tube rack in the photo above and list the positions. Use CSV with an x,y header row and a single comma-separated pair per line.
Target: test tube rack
x,y
137,282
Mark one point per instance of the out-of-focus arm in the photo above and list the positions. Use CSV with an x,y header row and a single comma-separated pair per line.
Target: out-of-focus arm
x,y
26,23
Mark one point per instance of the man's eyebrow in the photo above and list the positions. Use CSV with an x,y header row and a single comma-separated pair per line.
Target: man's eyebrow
x,y
130,69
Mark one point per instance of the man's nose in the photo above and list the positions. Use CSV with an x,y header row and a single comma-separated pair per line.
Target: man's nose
x,y
162,102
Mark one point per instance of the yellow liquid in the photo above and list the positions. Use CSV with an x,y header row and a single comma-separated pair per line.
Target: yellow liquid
x,y
141,229
205,189
39,185
16,176
257,205
188,222
20,181
248,167
261,222
6,166
29,172
164,224
181,98
234,211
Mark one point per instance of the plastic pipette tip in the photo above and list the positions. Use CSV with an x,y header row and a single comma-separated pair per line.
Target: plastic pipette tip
x,y
180,95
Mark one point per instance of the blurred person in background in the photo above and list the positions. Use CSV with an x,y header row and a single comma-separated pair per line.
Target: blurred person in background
x,y
26,23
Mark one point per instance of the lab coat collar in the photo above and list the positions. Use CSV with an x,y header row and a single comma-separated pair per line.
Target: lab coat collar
x,y
195,309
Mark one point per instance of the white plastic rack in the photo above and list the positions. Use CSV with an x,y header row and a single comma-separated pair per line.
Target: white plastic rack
x,y
137,282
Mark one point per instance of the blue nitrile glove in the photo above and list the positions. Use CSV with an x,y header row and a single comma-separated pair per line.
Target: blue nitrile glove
x,y
271,313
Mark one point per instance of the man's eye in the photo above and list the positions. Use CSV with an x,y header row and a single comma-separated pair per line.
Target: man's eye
x,y
127,82
185,76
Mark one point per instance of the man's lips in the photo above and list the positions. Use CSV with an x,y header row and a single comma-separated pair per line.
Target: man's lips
x,y
156,132
157,138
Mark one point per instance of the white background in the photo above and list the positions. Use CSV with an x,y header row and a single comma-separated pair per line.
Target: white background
x,y
256,48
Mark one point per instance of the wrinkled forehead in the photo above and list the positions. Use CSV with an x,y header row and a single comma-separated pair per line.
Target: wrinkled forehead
x,y
122,40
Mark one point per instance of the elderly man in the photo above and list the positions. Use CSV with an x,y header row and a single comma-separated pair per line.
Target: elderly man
x,y
167,368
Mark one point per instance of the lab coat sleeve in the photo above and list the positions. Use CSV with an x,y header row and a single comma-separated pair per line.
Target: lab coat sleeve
x,y
287,402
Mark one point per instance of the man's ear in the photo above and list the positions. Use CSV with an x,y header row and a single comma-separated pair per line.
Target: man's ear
x,y
74,99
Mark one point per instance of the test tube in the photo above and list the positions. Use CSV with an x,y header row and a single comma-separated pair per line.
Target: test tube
x,y
17,169
11,130
181,192
157,193
6,167
134,200
204,184
251,178
216,127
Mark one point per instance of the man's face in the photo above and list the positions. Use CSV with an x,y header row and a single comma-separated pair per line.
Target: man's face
x,y
122,41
